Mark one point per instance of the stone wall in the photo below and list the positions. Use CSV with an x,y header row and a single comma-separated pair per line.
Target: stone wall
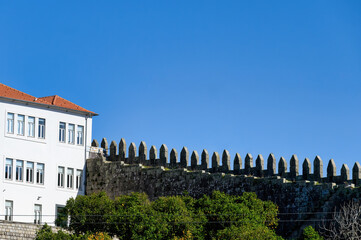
x,y
16,230
302,199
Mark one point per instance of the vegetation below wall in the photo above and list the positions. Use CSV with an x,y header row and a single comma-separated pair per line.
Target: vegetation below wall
x,y
218,216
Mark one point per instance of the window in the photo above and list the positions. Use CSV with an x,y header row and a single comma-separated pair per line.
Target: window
x,y
37,213
80,135
60,176
71,133
8,169
40,173
10,122
78,179
19,170
21,122
41,132
69,178
29,172
62,132
8,210
31,127
61,216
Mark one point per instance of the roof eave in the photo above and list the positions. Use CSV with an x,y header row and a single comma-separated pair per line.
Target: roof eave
x,y
86,113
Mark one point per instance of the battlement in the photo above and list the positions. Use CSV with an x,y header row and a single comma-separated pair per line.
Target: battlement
x,y
117,152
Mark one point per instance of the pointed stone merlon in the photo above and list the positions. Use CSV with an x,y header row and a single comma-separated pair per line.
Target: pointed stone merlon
x,y
282,167
142,152
317,168
104,145
248,163
122,149
331,171
294,166
306,169
163,155
356,173
226,161
259,165
215,161
345,173
194,160
184,157
271,165
132,153
237,163
95,143
173,157
113,151
205,160
152,155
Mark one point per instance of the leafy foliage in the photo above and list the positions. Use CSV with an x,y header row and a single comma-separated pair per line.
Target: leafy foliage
x,y
309,233
218,216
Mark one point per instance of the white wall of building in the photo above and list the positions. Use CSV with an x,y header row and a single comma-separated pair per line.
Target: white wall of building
x,y
48,151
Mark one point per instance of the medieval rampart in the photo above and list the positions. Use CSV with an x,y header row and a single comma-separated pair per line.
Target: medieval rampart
x,y
305,199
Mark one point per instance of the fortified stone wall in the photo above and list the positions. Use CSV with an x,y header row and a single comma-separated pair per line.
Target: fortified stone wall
x,y
303,200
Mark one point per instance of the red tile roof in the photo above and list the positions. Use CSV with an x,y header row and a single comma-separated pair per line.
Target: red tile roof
x,y
8,92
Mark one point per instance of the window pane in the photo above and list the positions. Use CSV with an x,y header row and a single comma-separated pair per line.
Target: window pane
x,y
80,134
41,130
71,130
40,173
19,170
29,172
8,168
10,123
31,126
62,132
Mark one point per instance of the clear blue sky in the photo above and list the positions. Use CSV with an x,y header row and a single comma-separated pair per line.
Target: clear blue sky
x,y
247,76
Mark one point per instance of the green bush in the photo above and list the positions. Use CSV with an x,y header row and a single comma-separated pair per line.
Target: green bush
x,y
309,233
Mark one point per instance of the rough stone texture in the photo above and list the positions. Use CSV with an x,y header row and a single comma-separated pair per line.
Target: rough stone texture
x,y
294,167
331,170
282,167
292,193
117,178
194,160
95,143
248,163
271,165
104,145
113,151
226,161
184,157
122,149
205,160
215,162
142,152
16,230
306,169
237,164
153,155
317,168
259,166
163,154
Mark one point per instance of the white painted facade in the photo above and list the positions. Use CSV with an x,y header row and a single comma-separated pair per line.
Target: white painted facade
x,y
27,195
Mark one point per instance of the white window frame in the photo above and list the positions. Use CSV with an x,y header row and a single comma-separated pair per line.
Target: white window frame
x,y
71,133
19,171
21,124
9,207
37,213
70,178
80,135
78,179
61,177
62,132
31,126
40,169
41,128
8,169
30,172
10,123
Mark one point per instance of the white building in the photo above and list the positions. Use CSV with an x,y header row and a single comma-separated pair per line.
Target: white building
x,y
44,144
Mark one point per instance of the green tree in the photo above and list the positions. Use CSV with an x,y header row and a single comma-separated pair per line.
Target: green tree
x,y
309,233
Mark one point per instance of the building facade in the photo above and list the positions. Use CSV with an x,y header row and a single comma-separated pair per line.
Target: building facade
x,y
45,143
